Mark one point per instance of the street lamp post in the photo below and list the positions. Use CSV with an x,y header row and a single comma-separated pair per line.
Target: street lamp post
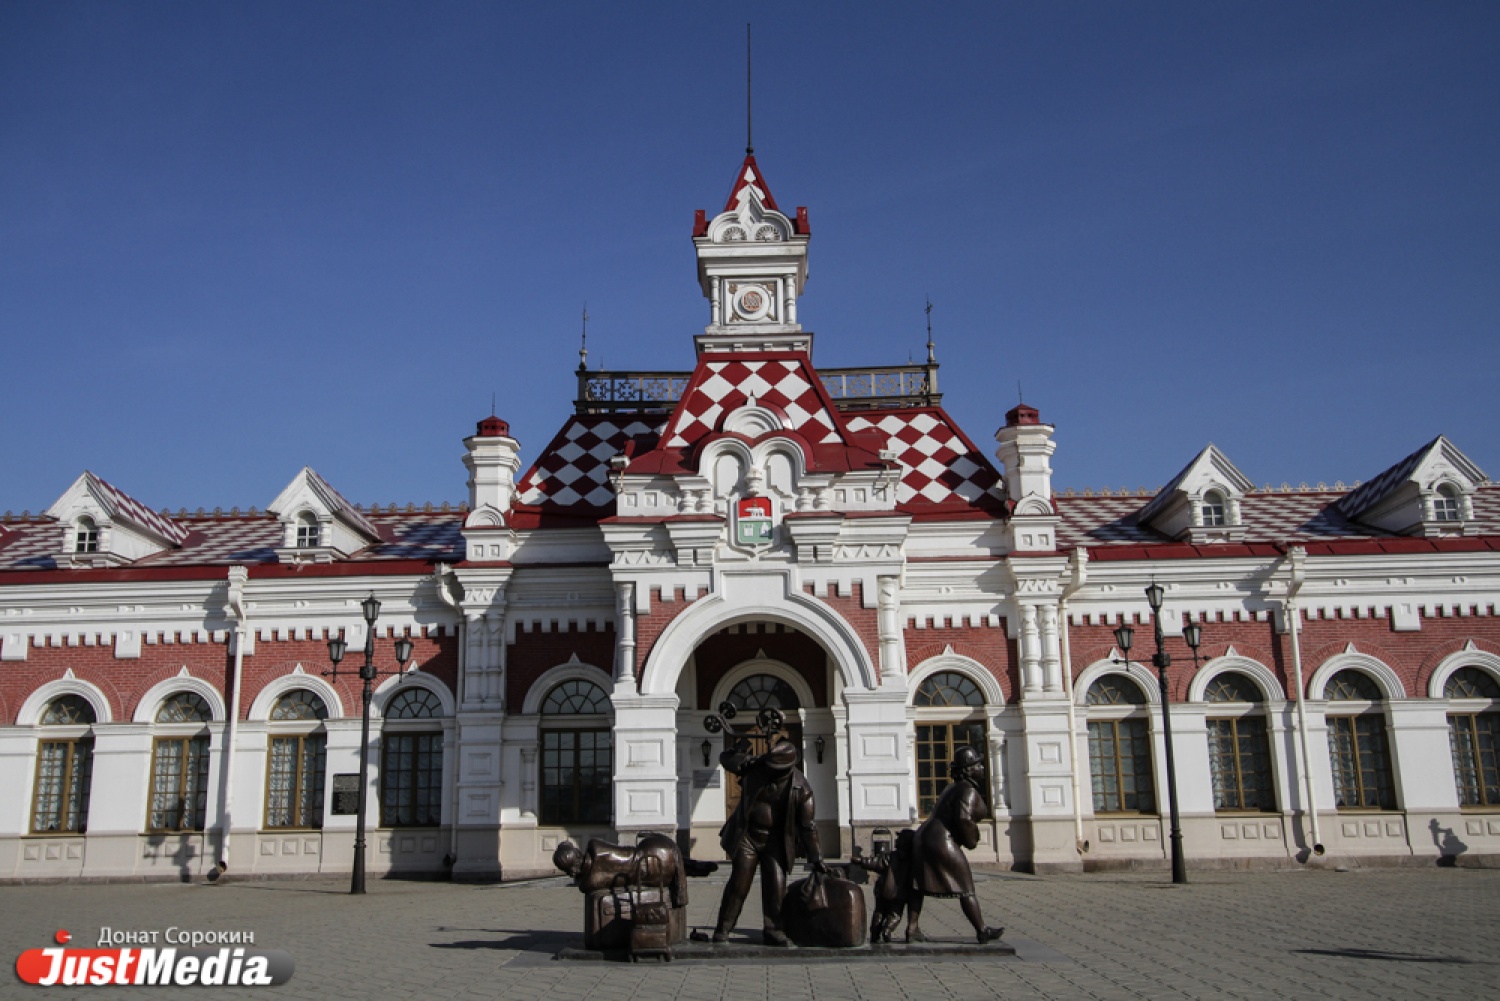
x,y
367,673
1192,633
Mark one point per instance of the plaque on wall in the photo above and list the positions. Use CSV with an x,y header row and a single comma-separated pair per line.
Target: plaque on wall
x,y
346,794
706,778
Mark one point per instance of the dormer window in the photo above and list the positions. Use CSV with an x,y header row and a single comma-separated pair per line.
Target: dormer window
x,y
1213,510
309,534
1445,504
86,536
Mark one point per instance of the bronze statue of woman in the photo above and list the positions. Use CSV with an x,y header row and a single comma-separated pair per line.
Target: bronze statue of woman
x,y
939,867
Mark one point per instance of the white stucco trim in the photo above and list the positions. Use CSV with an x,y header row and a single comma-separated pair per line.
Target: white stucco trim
x,y
36,702
994,696
1138,673
260,709
145,711
1387,679
551,678
1270,686
756,597
1463,658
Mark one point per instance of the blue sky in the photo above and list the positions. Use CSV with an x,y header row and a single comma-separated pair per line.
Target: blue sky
x,y
240,238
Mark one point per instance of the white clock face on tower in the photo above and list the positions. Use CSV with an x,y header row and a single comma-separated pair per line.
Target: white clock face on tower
x,y
753,302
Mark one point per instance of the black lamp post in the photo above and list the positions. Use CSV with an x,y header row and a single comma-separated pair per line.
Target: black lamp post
x,y
1193,634
336,648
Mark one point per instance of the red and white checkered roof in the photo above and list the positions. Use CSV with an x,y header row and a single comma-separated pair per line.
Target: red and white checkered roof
x,y
122,505
1267,516
251,539
939,463
572,471
787,383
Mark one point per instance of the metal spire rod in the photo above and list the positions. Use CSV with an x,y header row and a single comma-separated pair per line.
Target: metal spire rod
x,y
583,347
749,140
931,348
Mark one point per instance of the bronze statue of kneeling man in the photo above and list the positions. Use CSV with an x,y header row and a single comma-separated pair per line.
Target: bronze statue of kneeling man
x,y
939,867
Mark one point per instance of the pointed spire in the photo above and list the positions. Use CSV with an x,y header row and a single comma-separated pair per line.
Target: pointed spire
x,y
750,177
931,347
583,345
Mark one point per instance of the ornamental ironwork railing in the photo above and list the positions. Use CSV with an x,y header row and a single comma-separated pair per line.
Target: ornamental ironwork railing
x,y
601,392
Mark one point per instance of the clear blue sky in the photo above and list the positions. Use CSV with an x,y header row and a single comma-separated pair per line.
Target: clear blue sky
x,y
240,238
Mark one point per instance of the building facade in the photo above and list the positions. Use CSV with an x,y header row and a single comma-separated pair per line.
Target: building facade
x,y
766,533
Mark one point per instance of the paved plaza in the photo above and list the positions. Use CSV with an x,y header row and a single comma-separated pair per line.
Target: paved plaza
x,y
1377,933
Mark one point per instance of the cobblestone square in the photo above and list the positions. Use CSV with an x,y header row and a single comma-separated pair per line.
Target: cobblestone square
x,y
1377,933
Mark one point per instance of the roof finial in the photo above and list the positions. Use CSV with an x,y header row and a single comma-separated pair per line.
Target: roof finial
x,y
583,346
493,406
1020,397
931,348
749,141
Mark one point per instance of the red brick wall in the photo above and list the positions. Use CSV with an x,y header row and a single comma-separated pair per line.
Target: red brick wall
x,y
864,621
126,681
535,652
720,653
989,646
1412,655
648,628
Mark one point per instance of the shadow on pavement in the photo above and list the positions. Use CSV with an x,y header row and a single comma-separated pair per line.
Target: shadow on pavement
x,y
1395,957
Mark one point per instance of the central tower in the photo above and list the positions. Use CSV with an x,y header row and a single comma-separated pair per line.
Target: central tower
x,y
752,264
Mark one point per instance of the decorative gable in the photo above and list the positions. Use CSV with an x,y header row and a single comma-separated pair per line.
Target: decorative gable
x,y
1202,503
102,525
1428,493
318,524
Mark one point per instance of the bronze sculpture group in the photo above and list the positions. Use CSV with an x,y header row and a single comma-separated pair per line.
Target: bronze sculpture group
x,y
637,897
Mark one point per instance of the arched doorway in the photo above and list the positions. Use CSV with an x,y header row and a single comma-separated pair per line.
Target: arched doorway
x,y
749,697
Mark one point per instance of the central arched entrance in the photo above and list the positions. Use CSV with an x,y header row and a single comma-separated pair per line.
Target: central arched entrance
x,y
755,666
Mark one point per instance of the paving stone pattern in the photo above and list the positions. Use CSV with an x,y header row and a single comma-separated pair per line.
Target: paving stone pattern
x,y
1392,933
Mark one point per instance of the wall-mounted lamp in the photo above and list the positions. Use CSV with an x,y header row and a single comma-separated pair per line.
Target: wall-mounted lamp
x,y
819,744
708,748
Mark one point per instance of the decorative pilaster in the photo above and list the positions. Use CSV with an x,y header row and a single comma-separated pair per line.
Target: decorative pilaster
x,y
1031,652
892,649
625,638
1051,651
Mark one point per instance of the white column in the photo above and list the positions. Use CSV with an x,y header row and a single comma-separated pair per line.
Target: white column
x,y
892,650
1031,653
625,638
1051,651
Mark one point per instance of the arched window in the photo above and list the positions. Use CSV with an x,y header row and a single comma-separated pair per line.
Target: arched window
x,y
1474,735
1445,504
1239,749
64,767
950,715
577,755
947,688
1358,748
86,536
411,760
1213,509
179,765
763,691
297,760
1119,747
309,532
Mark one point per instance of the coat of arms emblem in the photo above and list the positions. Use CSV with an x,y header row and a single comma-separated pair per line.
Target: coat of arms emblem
x,y
754,519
